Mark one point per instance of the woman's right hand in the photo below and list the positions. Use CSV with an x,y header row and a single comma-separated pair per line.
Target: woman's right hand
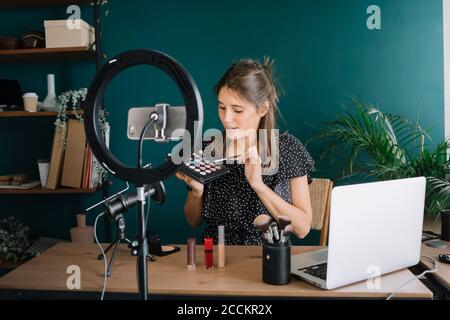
x,y
197,187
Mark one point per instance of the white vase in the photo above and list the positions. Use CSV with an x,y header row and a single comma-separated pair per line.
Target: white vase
x,y
49,103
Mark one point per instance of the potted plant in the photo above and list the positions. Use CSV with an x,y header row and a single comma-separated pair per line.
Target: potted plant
x,y
387,146
13,239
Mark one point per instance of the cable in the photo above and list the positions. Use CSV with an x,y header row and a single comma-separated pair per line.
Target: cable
x,y
153,118
416,277
103,253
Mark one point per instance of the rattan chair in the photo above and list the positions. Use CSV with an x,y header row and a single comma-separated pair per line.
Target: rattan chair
x,y
320,192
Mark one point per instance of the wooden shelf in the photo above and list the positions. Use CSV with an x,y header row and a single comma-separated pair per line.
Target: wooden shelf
x,y
40,3
40,190
16,114
79,53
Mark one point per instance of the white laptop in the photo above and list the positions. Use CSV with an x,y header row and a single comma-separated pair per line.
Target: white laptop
x,y
374,227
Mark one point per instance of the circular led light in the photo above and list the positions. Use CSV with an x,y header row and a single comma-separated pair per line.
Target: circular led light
x,y
190,94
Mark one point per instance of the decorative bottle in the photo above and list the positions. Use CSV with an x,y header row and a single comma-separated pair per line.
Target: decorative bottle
x,y
82,233
49,103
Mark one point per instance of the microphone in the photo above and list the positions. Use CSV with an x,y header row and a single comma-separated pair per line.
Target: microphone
x,y
122,203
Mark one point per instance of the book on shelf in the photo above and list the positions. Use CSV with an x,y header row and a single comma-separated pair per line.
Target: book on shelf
x,y
74,164
93,174
85,167
56,159
74,156
26,185
88,169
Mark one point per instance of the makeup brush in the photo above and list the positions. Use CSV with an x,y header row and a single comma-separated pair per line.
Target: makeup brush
x,y
283,222
229,158
267,237
200,153
262,222
275,231
286,232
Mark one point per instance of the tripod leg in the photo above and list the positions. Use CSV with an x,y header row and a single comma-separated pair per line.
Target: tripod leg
x,y
113,257
100,256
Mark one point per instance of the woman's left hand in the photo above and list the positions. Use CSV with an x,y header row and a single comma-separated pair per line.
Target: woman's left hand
x,y
253,168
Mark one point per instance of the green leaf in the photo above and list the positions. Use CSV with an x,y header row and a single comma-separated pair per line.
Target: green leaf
x,y
386,146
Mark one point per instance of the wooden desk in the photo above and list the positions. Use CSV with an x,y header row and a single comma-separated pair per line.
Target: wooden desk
x,y
169,276
443,270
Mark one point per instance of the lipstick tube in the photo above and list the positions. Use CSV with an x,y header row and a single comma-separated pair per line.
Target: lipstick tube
x,y
208,245
191,264
221,246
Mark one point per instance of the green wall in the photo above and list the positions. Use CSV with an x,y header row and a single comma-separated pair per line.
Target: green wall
x,y
323,53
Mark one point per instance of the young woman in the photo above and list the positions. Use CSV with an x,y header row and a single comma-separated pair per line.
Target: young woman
x,y
247,102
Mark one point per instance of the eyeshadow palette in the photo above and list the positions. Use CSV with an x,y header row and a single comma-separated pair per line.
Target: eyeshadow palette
x,y
202,170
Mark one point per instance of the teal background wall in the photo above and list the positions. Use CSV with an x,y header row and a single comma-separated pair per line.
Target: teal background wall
x,y
323,52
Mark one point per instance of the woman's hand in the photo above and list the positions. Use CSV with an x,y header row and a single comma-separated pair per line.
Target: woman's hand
x,y
197,187
253,168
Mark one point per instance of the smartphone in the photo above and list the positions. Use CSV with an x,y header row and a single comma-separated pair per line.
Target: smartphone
x,y
138,118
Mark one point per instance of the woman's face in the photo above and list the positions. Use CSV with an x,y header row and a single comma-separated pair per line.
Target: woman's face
x,y
239,117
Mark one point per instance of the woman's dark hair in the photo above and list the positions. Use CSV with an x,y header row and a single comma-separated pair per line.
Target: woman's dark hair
x,y
254,82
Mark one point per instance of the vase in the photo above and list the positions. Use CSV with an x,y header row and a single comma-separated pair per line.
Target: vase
x,y
49,103
82,233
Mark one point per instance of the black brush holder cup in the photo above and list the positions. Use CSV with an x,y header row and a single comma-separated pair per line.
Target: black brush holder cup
x,y
276,263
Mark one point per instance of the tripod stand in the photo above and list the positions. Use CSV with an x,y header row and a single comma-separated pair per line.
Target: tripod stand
x,y
121,237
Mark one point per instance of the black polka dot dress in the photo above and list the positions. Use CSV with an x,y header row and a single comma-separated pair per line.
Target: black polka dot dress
x,y
230,201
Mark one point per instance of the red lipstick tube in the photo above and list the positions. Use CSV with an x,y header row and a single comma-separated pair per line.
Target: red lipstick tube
x,y
208,244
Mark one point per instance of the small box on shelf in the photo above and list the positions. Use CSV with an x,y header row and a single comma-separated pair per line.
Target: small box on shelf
x,y
68,33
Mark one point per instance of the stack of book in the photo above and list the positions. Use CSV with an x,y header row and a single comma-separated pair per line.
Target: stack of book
x,y
72,163
17,181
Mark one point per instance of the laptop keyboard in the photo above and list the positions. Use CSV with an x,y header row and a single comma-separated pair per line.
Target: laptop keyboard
x,y
318,271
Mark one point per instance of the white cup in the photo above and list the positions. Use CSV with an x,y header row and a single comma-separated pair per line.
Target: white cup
x,y
30,100
43,165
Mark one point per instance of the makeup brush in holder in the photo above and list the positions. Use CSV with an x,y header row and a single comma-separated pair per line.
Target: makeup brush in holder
x,y
274,232
286,232
263,222
284,222
276,251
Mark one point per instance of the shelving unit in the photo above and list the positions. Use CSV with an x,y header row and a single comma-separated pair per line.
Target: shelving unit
x,y
18,114
40,54
52,54
67,53
41,3
40,190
